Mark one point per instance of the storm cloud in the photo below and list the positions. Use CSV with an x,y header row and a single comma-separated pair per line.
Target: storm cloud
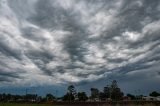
x,y
59,41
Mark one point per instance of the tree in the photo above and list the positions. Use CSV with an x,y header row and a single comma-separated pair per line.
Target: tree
x,y
131,96
94,93
154,94
82,96
71,90
102,96
71,94
107,91
68,97
50,97
116,93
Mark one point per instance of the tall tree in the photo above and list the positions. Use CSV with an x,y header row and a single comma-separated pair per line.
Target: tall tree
x,y
114,84
72,91
116,93
102,96
71,94
82,96
68,97
94,93
107,91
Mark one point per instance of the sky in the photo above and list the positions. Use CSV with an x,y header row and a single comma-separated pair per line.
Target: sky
x,y
50,44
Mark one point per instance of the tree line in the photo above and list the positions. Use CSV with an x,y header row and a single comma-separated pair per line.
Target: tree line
x,y
112,92
109,92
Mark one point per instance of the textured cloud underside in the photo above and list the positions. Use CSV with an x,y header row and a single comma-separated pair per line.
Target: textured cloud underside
x,y
60,41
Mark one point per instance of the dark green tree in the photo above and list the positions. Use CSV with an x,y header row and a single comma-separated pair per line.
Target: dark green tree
x,y
102,96
71,89
50,97
116,93
82,96
68,97
94,93
131,96
71,94
154,94
107,91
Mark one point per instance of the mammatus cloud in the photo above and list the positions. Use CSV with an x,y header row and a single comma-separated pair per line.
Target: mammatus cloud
x,y
55,42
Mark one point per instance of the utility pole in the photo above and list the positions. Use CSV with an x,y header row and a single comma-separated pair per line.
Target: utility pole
x,y
26,91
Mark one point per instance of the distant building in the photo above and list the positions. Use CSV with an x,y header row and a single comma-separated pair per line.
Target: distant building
x,y
150,98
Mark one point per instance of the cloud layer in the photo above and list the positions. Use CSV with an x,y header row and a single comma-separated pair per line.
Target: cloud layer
x,y
60,41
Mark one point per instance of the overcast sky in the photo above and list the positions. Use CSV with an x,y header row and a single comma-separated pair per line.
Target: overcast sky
x,y
85,42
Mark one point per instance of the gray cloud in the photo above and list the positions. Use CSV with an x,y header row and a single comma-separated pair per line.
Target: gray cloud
x,y
78,41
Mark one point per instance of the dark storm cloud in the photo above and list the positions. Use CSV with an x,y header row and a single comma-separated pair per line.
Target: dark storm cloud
x,y
7,50
53,17
80,41
9,74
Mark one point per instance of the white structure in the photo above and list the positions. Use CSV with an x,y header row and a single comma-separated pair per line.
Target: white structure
x,y
148,98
